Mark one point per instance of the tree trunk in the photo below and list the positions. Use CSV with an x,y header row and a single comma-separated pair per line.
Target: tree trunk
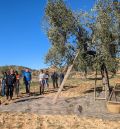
x,y
105,77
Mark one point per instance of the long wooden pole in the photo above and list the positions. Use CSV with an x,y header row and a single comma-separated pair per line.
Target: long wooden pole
x,y
65,78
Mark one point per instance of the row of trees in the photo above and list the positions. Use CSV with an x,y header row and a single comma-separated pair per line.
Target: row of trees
x,y
95,34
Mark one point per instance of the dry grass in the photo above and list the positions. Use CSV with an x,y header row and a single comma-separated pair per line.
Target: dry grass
x,y
32,121
35,121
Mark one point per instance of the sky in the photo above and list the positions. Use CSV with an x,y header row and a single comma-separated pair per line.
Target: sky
x,y
23,41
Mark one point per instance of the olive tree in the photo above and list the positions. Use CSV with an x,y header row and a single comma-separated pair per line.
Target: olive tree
x,y
66,34
95,35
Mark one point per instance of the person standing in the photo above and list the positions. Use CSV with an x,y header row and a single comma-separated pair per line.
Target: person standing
x,y
14,81
3,83
27,80
10,80
47,79
17,83
54,78
42,81
61,77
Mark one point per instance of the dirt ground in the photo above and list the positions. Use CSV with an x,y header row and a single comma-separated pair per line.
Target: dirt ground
x,y
75,109
33,121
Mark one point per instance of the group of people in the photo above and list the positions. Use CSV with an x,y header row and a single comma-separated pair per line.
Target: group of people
x,y
44,79
10,81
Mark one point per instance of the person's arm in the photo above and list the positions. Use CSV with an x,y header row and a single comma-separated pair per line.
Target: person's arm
x,y
6,80
31,77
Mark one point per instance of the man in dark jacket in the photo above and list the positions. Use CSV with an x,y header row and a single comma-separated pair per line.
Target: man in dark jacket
x,y
61,77
54,78
10,81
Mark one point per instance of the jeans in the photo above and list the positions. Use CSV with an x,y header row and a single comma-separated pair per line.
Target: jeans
x,y
3,88
27,86
42,84
46,82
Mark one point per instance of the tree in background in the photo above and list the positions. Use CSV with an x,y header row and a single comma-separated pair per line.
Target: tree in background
x,y
105,37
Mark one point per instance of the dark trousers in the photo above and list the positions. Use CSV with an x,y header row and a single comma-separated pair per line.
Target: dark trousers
x,y
17,87
9,91
27,86
46,82
42,84
55,83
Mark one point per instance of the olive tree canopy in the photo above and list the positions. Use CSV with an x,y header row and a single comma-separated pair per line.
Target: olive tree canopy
x,y
95,34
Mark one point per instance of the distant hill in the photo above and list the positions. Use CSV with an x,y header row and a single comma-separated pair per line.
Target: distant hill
x,y
18,68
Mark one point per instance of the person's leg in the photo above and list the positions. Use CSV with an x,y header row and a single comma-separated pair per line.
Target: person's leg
x,y
40,88
29,87
11,92
7,92
17,88
47,82
53,83
60,81
26,86
3,88
56,82
43,85
14,88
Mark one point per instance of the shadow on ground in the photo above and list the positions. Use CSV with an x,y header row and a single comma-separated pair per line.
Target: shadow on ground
x,y
36,95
